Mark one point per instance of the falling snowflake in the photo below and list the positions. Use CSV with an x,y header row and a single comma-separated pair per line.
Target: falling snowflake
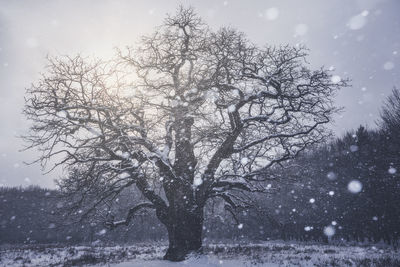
x,y
353,148
197,181
365,13
336,79
244,161
331,175
354,186
102,232
240,226
392,170
331,193
272,13
312,200
329,231
231,108
357,22
388,65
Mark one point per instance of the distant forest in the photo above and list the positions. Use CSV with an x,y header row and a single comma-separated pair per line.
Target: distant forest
x,y
312,198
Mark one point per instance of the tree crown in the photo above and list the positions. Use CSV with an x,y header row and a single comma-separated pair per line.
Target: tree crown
x,y
189,110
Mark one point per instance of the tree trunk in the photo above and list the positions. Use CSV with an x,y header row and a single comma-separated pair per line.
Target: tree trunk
x,y
184,233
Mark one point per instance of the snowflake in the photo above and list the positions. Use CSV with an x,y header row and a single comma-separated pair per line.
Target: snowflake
x,y
197,181
272,13
357,22
231,108
392,170
354,186
329,231
388,65
336,79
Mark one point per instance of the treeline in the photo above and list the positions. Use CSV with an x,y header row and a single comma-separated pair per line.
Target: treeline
x,y
35,215
348,189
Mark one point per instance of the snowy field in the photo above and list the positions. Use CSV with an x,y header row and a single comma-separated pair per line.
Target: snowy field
x,y
150,255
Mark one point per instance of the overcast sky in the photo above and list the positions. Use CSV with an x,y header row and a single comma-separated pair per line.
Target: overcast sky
x,y
360,39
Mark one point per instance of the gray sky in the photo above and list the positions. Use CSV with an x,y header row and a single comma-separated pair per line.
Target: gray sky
x,y
360,39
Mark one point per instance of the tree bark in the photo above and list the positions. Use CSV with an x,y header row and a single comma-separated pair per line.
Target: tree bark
x,y
184,233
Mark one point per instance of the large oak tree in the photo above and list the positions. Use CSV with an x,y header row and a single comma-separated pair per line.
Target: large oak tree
x,y
189,115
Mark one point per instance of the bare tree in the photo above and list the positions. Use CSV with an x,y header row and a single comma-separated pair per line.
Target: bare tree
x,y
190,115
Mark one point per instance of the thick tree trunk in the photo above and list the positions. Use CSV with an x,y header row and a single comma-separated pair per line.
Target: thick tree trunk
x,y
184,234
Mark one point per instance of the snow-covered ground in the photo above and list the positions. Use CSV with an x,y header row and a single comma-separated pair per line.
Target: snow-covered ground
x,y
234,255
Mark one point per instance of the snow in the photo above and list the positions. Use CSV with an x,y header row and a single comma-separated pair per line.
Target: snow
x,y
353,148
331,175
272,13
392,170
62,114
329,231
240,226
231,108
312,200
102,232
365,13
124,175
197,181
244,161
272,253
358,22
389,65
331,193
301,29
354,186
205,261
336,79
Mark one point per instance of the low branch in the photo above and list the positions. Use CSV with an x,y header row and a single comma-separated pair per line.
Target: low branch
x,y
130,216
